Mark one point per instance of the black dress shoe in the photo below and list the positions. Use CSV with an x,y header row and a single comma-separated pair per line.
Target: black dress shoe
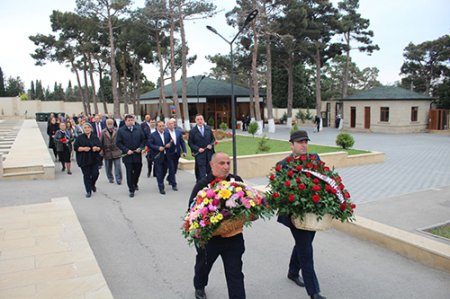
x,y
131,194
174,188
200,294
297,279
136,188
88,194
94,188
317,296
162,192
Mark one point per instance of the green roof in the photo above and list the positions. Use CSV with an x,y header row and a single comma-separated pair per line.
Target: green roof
x,y
387,93
208,87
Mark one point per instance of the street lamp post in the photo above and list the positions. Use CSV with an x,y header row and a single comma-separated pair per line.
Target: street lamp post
x,y
198,84
247,21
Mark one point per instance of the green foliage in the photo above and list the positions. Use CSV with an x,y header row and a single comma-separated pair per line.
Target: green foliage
x,y
14,87
345,140
263,145
223,126
2,84
294,128
211,121
301,116
23,96
253,128
283,119
308,115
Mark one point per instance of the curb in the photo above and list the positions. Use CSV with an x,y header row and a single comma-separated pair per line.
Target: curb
x,y
421,249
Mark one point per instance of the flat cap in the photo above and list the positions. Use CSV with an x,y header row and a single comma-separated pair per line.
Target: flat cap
x,y
299,136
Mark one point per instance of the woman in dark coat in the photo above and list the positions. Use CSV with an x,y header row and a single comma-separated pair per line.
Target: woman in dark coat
x,y
88,147
63,142
52,127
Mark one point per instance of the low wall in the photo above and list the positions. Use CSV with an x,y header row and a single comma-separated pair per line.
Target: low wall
x,y
252,166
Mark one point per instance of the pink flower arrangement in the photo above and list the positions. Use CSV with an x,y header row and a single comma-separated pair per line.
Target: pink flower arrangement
x,y
220,201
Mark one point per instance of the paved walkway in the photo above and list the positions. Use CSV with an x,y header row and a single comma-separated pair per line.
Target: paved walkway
x,y
45,254
139,248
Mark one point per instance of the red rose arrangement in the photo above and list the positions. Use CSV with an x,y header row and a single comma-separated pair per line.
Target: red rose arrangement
x,y
304,184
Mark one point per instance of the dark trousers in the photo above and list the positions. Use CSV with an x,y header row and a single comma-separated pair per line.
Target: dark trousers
x,y
160,169
202,170
133,173
172,165
302,259
90,176
231,250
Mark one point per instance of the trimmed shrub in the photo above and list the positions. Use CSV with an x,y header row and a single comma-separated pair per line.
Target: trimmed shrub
x,y
263,145
345,140
294,128
223,126
253,128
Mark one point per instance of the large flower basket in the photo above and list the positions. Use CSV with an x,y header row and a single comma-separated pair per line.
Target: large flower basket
x,y
304,188
222,209
311,222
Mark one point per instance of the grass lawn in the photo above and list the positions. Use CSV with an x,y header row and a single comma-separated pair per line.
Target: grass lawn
x,y
247,145
443,231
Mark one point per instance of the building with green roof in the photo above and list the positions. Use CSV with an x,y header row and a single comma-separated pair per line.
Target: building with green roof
x,y
206,96
385,109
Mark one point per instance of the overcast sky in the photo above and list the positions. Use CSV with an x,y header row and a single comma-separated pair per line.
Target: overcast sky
x,y
394,22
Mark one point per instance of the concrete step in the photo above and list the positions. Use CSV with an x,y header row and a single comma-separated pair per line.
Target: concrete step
x,y
24,169
29,175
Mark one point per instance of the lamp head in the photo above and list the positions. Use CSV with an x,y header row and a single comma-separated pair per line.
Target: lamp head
x,y
211,29
250,17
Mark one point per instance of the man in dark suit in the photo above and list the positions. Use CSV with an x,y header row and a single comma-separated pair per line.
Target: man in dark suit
x,y
97,126
131,141
159,142
230,249
302,253
149,126
173,153
201,141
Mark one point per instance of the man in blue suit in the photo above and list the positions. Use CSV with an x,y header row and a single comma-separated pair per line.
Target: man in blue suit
x,y
159,142
97,126
201,141
131,141
173,153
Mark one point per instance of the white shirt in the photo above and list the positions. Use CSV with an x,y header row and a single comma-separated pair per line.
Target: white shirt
x,y
162,137
174,136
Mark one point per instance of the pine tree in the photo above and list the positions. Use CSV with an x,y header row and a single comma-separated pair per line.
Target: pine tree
x,y
2,84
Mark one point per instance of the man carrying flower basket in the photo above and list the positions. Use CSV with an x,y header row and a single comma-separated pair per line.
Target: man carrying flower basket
x,y
219,206
302,187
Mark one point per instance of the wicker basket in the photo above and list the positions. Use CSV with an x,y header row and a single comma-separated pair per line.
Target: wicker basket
x,y
310,222
231,227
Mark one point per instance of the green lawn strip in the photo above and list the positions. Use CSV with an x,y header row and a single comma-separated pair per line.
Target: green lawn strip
x,y
249,146
443,231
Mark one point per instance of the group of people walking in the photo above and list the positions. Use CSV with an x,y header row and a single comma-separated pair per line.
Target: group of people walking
x,y
99,141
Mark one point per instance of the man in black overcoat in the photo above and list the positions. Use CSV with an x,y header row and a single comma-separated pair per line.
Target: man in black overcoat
x,y
159,143
131,141
201,141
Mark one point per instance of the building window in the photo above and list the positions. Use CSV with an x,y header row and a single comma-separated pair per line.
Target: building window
x,y
384,114
414,112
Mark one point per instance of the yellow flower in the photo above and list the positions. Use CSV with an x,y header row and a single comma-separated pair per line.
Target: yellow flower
x,y
219,216
252,203
205,201
225,194
238,189
213,219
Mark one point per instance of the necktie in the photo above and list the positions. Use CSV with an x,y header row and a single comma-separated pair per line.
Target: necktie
x,y
202,131
99,131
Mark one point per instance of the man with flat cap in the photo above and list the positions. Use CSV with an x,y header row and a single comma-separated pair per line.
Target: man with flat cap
x,y
302,253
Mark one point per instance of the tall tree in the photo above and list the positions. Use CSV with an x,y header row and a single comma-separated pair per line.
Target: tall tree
x,y
354,27
173,22
2,84
426,64
14,87
108,11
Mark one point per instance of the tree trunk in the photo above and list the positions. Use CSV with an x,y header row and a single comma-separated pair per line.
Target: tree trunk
x,y
91,75
255,76
80,90
290,95
271,122
102,94
162,98
86,87
125,93
318,78
346,67
172,61
187,125
113,68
